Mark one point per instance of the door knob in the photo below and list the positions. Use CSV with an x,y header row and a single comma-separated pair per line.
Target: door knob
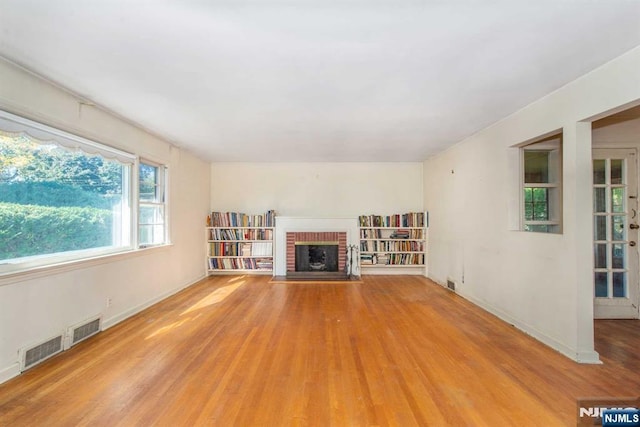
x,y
634,226
632,243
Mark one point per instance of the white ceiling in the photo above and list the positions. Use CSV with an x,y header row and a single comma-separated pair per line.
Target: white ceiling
x,y
315,80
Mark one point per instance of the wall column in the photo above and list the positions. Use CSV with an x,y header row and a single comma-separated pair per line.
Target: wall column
x,y
578,229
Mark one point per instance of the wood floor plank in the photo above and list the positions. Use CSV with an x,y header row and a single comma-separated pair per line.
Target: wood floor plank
x,y
385,351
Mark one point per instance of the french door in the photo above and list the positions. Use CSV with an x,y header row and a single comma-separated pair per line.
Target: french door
x,y
615,227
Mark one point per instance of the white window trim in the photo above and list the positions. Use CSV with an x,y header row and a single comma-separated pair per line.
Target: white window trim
x,y
12,123
46,270
164,177
48,135
525,222
25,268
554,206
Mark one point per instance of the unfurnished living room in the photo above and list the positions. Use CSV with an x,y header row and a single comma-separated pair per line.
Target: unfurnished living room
x,y
319,213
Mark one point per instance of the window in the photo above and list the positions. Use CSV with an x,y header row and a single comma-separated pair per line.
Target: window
x,y
542,188
62,197
152,206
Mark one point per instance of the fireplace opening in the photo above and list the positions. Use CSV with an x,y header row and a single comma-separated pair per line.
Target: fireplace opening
x,y
316,256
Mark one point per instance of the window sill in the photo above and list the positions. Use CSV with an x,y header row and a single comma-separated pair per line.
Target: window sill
x,y
539,233
64,266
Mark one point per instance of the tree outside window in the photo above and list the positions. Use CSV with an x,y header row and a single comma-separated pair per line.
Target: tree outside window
x,y
542,186
152,204
54,200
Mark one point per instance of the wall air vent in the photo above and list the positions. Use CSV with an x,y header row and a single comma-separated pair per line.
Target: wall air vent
x,y
451,285
81,332
30,357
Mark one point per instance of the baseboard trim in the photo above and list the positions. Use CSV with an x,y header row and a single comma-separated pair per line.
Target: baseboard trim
x,y
114,320
586,357
9,372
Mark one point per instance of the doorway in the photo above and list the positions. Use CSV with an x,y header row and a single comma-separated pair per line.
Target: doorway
x,y
615,222
615,225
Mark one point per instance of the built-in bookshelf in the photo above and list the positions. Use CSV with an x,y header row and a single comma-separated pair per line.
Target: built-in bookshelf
x,y
393,241
237,242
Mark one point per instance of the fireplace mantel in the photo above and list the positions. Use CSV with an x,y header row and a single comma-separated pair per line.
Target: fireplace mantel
x,y
286,225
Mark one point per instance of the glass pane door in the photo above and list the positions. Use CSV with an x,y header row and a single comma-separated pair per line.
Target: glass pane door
x,y
615,233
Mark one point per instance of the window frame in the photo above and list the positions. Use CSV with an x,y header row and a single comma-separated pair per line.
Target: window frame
x,y
553,224
41,264
162,172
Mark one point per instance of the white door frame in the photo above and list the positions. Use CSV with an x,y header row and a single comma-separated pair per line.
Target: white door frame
x,y
616,256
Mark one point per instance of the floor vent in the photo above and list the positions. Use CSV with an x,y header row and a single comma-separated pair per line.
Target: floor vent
x,y
34,355
83,331
451,285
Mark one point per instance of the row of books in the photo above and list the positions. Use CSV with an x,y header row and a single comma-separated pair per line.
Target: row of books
x,y
262,249
240,234
396,234
391,246
241,249
239,219
240,264
411,219
392,259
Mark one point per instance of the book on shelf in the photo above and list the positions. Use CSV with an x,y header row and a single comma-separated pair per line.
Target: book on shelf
x,y
393,240
391,259
240,264
370,234
240,219
240,234
244,249
400,234
238,241
411,219
262,249
406,259
381,259
366,259
391,246
264,264
415,233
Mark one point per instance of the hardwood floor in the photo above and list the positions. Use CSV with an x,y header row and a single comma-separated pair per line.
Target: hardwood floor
x,y
391,350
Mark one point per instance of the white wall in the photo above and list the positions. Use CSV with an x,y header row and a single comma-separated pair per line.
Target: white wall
x,y
618,135
317,189
541,283
36,306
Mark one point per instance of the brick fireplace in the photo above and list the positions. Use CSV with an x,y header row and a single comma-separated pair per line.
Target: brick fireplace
x,y
290,230
322,238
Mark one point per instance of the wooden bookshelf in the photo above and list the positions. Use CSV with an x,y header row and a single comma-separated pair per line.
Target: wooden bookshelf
x,y
240,243
393,242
